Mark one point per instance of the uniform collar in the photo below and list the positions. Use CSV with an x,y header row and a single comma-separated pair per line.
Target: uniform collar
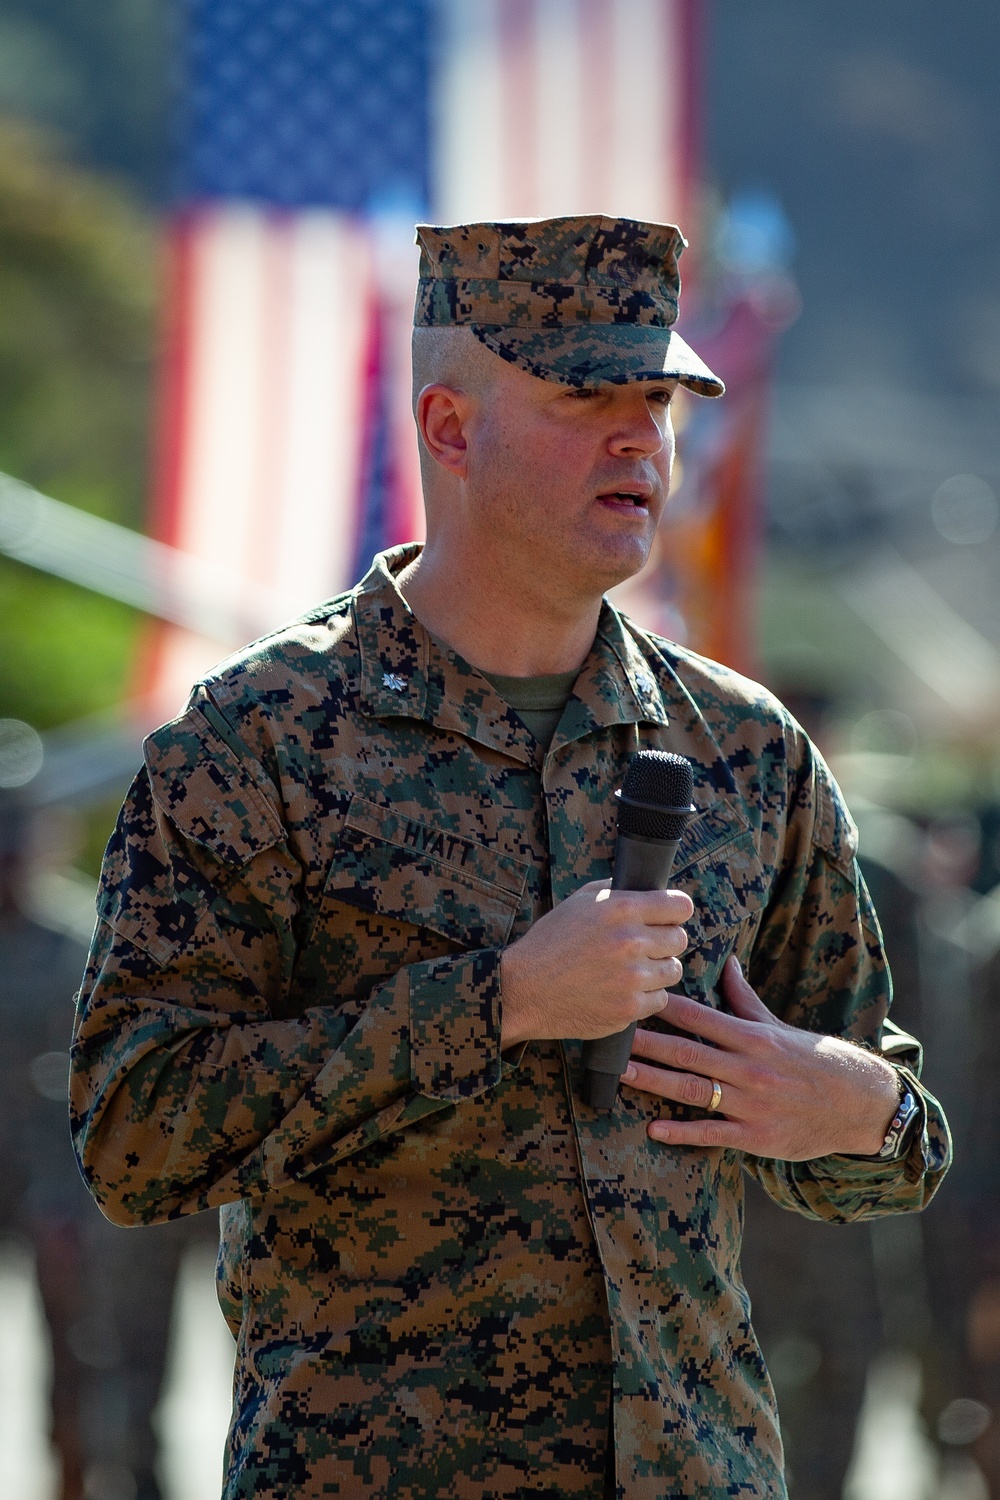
x,y
405,673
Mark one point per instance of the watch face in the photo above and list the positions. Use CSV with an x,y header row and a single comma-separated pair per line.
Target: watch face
x,y
899,1130
908,1111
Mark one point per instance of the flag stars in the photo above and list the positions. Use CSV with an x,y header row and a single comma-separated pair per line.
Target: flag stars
x,y
304,103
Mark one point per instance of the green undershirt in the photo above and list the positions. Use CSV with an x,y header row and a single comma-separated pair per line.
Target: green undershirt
x,y
537,701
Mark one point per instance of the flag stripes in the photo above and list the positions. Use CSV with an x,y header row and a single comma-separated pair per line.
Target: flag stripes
x,y
310,133
564,106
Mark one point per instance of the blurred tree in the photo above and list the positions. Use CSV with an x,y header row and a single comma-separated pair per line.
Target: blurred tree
x,y
96,73
77,282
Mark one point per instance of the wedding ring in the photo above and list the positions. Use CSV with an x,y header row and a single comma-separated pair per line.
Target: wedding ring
x,y
716,1098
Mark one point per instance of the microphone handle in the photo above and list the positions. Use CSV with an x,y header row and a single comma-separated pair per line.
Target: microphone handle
x,y
640,865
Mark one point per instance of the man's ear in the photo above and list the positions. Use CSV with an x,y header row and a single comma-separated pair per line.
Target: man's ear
x,y
441,415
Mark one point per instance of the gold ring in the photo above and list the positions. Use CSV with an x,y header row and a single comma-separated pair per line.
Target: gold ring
x,y
716,1098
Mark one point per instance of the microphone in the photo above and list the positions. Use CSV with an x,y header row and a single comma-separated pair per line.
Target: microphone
x,y
654,806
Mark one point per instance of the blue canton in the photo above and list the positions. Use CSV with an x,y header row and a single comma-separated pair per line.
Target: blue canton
x,y
305,103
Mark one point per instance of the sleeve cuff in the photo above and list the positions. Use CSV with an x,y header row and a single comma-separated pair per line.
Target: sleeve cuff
x,y
455,1025
914,1157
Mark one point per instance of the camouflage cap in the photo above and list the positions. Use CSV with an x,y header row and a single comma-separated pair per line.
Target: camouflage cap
x,y
579,300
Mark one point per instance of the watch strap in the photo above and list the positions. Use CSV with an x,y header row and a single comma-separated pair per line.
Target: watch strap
x,y
900,1127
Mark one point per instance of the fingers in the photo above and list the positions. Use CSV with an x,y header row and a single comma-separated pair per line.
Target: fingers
x,y
655,908
649,951
710,1132
688,1056
627,926
742,1031
740,996
663,942
658,976
714,1025
683,1088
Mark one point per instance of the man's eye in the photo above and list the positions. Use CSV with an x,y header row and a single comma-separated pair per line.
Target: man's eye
x,y
583,393
660,398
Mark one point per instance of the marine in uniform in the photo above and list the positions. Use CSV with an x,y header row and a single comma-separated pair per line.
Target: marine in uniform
x,y
355,920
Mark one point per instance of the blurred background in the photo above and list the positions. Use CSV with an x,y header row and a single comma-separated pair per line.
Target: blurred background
x,y
206,278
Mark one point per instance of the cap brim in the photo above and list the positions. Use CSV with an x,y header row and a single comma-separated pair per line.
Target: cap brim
x,y
599,353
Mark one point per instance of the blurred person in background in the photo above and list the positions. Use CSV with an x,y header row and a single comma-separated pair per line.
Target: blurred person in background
x,y
982,1306
107,1295
827,1303
959,933
814,1288
922,872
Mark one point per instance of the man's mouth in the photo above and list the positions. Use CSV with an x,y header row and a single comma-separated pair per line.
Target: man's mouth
x,y
625,499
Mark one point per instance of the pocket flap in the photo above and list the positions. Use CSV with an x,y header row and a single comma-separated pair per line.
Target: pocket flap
x,y
151,900
398,867
710,829
154,893
719,867
725,891
208,793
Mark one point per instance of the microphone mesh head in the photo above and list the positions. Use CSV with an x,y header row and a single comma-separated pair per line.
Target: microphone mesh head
x,y
666,783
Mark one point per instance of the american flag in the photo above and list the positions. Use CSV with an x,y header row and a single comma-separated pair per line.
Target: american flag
x,y
311,135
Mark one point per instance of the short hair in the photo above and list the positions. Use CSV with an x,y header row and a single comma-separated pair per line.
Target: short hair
x,y
453,357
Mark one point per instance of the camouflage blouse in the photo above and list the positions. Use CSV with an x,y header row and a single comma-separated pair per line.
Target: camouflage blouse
x,y
442,1268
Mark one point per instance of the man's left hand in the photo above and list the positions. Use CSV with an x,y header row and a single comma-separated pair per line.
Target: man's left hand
x,y
786,1093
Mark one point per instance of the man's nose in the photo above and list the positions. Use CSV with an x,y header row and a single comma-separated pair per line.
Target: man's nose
x,y
638,435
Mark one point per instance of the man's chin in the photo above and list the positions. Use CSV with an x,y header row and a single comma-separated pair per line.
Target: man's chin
x,y
614,562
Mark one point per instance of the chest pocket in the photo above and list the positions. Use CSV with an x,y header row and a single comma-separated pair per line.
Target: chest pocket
x,y
396,867
718,866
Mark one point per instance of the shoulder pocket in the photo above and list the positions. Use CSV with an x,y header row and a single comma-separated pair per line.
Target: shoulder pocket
x,y
720,869
409,871
208,793
151,892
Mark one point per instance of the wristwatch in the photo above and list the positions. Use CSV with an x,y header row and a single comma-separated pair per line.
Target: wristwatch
x,y
900,1128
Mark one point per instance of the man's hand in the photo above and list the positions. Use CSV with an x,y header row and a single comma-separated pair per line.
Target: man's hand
x,y
593,965
788,1094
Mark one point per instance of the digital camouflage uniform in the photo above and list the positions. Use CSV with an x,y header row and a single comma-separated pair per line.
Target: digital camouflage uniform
x,y
439,1264
434,1256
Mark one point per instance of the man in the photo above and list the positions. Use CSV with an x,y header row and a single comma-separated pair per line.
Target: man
x,y
356,922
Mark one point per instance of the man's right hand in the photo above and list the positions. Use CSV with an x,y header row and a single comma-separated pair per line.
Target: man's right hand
x,y
593,965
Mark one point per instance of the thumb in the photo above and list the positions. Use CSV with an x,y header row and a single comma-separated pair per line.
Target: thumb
x,y
740,997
